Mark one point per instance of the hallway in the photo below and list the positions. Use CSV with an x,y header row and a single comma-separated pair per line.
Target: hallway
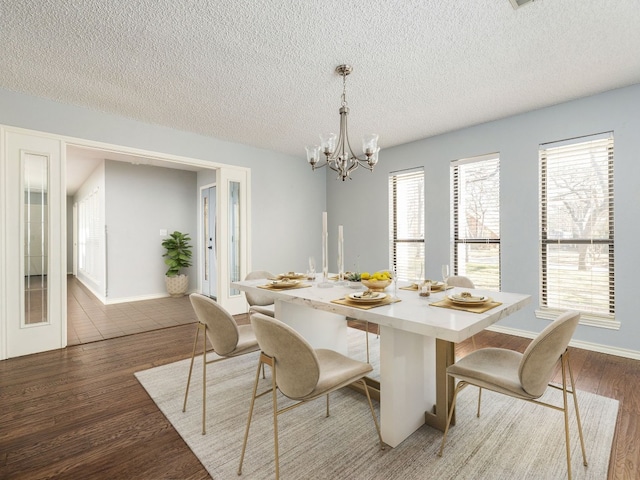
x,y
89,320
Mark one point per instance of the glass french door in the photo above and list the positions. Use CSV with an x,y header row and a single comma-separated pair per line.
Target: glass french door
x,y
233,186
33,245
209,242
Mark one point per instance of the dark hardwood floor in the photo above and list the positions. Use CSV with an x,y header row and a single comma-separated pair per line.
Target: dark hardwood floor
x,y
80,412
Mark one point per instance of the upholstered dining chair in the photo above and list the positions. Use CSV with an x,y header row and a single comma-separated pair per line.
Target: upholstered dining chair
x,y
227,338
259,303
300,373
524,375
460,281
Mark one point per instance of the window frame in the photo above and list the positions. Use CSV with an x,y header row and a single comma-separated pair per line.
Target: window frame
x,y
551,311
413,174
456,239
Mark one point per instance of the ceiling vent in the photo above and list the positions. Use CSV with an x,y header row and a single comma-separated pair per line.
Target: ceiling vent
x,y
518,3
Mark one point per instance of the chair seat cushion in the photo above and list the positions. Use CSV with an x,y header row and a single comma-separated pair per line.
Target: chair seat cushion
x,y
246,341
336,371
264,309
492,368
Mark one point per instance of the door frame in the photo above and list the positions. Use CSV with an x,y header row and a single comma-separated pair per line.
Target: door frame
x,y
222,169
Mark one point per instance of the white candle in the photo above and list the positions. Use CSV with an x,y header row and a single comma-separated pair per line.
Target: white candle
x,y
324,223
340,236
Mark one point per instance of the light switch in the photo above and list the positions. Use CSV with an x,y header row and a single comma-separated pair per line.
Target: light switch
x,y
163,233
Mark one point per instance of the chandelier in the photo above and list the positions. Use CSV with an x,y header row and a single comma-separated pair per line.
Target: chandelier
x,y
337,149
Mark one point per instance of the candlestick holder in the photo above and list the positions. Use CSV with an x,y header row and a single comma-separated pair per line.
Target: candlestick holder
x,y
325,283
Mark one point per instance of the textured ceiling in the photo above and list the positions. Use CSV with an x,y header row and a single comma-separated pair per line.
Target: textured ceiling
x,y
261,72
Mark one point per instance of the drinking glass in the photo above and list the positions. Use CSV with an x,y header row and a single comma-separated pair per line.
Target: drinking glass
x,y
445,276
394,279
311,273
419,274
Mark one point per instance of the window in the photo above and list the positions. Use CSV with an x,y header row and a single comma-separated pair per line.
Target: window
x,y
406,223
475,210
576,226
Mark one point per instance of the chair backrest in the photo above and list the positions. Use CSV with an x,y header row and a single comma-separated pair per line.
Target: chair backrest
x,y
222,329
256,298
460,281
542,354
297,367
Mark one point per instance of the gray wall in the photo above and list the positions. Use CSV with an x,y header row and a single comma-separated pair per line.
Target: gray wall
x,y
140,201
287,197
516,139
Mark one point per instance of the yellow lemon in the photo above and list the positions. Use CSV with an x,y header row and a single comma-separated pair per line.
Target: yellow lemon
x,y
365,276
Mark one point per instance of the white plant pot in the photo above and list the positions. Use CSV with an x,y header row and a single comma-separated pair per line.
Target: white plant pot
x,y
177,286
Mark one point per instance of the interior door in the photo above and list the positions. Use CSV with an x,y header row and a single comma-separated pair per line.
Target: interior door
x,y
209,243
33,246
233,187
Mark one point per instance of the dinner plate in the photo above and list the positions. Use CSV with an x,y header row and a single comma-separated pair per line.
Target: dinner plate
x,y
284,283
434,285
472,300
291,276
367,297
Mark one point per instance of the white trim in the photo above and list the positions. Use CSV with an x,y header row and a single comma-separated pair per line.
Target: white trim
x,y
477,158
593,347
115,301
67,141
586,319
3,249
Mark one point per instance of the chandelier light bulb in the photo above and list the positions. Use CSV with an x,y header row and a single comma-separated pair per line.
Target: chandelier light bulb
x,y
313,154
328,143
369,143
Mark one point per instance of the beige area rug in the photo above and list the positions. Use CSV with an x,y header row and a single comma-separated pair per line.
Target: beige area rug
x,y
511,440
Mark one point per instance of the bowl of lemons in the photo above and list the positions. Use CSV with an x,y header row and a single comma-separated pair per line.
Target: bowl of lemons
x,y
376,282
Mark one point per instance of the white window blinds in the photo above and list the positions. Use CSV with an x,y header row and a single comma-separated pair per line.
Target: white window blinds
x,y
475,210
406,223
576,226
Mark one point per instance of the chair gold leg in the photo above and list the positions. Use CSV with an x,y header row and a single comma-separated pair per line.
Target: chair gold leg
x,y
575,404
253,401
373,414
366,332
193,354
204,380
473,342
479,398
327,405
274,397
459,387
566,414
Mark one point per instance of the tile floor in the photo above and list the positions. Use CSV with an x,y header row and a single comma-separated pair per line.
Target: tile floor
x,y
89,320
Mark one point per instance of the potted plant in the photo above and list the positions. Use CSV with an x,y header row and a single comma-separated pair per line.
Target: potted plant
x,y
178,253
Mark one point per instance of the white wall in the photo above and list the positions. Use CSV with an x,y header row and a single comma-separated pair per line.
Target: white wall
x,y
141,201
361,204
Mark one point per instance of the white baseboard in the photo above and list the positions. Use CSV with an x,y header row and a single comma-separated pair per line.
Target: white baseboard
x,y
594,347
154,296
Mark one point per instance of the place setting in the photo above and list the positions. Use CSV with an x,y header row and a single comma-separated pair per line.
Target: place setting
x,y
366,299
467,302
286,281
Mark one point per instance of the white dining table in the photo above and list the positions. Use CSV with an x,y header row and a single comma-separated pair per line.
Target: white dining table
x,y
417,343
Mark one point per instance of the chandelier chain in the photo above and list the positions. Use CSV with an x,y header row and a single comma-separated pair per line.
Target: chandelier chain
x,y
344,90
